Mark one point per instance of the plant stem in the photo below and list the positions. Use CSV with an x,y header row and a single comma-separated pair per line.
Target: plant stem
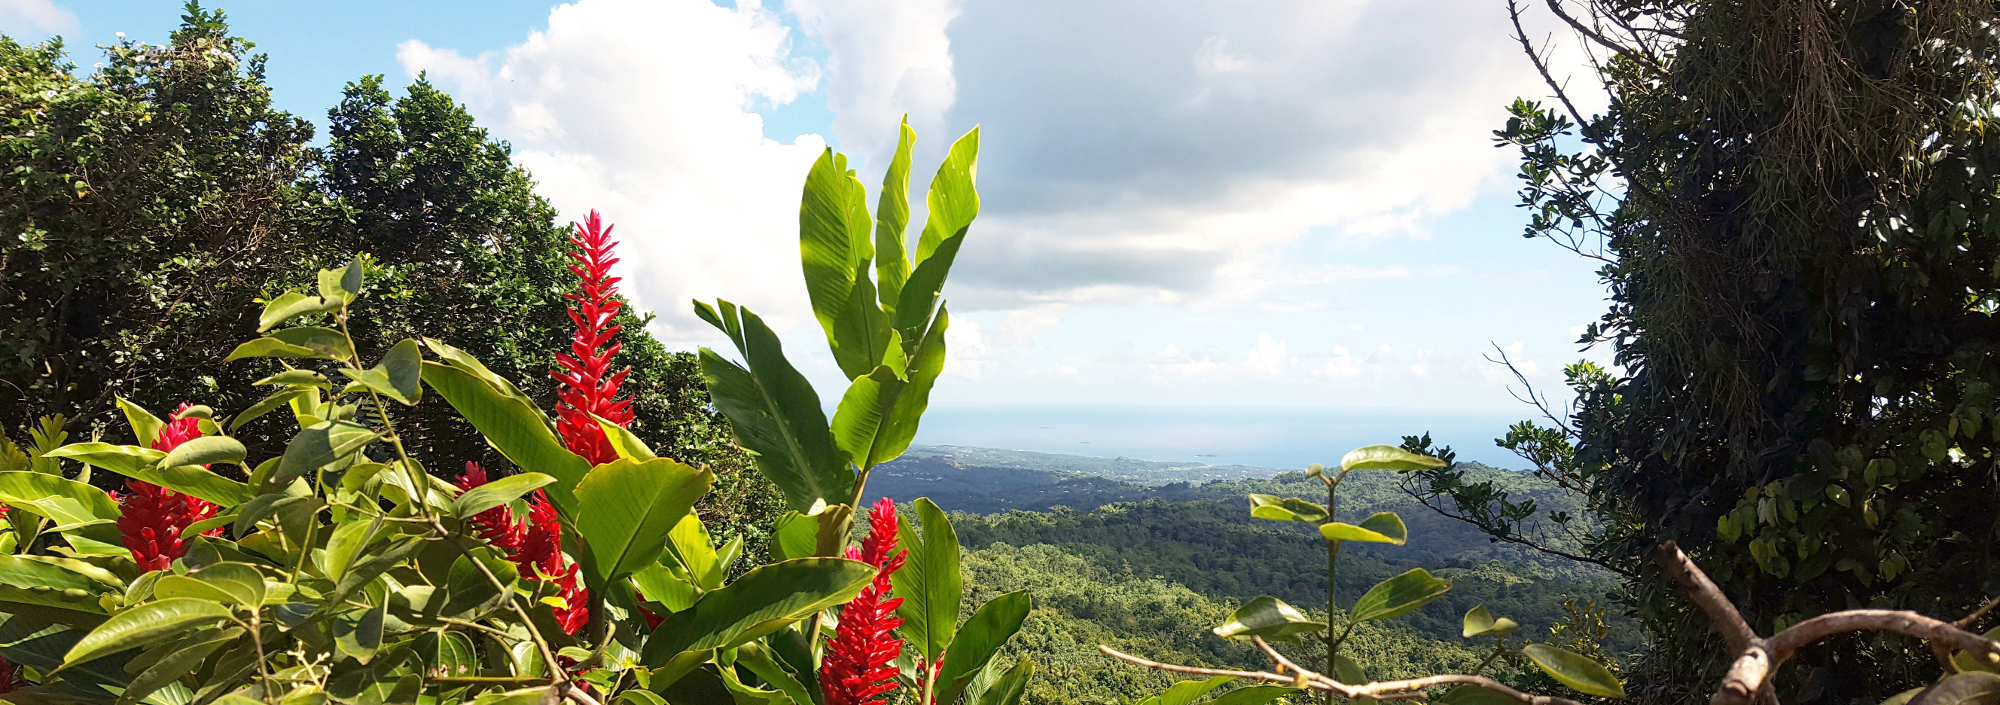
x,y
1332,575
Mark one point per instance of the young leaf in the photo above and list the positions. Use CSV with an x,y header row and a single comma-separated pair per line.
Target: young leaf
x,y
145,425
1479,621
892,219
900,428
857,422
228,583
397,376
1577,670
1382,457
954,203
1398,595
834,251
269,347
1010,686
324,342
625,509
774,412
1264,506
622,440
1383,527
341,284
929,583
512,426
497,492
292,304
314,447
206,450
1271,618
762,601
143,625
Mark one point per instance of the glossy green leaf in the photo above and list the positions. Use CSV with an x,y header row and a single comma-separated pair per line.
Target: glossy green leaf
x,y
1577,671
923,368
176,664
954,202
266,405
315,447
670,586
325,342
468,589
1478,621
774,412
67,503
359,634
228,583
1398,595
834,251
296,378
624,441
892,220
1264,506
1271,618
522,696
1475,695
1349,671
762,661
762,601
269,347
1387,458
1186,692
796,536
143,625
512,426
625,509
857,422
145,464
1382,527
124,460
342,284
398,376
984,632
929,582
1253,695
497,492
55,582
145,426
206,450
689,545
346,542
290,305
1010,686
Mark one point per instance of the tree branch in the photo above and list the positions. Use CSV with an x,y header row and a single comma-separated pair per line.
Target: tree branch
x,y
1409,689
1622,50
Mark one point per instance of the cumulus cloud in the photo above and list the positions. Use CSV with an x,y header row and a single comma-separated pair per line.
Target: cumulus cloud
x,y
645,111
886,59
23,18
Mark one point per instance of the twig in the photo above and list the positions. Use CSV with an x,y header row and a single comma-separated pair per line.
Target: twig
x,y
1728,622
1380,690
1622,50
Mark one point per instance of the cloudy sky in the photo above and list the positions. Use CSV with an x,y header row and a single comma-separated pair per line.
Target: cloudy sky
x,y
1187,203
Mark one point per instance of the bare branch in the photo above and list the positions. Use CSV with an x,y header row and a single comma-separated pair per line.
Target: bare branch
x,y
1622,50
1540,402
1728,622
1410,689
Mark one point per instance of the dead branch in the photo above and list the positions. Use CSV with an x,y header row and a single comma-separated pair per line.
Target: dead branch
x,y
1409,689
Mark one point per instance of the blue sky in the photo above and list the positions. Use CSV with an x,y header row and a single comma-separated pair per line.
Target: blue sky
x,y
1187,204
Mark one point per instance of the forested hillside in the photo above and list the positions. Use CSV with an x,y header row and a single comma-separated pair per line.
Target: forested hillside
x,y
1151,568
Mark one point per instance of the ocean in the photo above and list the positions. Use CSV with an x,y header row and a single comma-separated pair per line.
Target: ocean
x,y
1282,438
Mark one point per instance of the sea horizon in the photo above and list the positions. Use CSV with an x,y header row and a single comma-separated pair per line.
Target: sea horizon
x,y
1284,438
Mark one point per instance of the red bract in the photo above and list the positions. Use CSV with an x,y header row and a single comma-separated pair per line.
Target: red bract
x,y
152,517
8,676
857,669
586,387
534,546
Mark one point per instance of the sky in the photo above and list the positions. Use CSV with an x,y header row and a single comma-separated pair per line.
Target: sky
x,y
1289,208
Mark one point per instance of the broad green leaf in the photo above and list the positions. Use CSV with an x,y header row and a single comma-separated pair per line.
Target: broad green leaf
x,y
1253,695
797,536
857,422
1387,458
316,446
689,545
622,440
1349,671
497,492
468,588
512,426
1010,686
1475,695
359,634
984,632
145,426
762,601
296,378
206,450
892,220
1382,527
67,503
465,362
145,464
145,624
774,412
180,662
670,586
923,368
266,405
1478,621
954,203
929,582
1580,672
834,252
1398,595
292,304
1186,692
1271,618
55,582
373,565
397,376
228,583
269,347
346,542
124,460
325,342
625,509
342,284
762,661
1265,506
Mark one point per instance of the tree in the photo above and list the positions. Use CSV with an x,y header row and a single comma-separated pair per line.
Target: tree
x,y
1795,207
143,209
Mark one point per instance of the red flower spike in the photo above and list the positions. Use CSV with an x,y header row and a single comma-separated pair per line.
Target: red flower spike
x,y
535,548
857,669
587,384
152,517
9,676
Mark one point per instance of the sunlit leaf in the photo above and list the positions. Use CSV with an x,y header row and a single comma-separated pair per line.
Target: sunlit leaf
x,y
1264,506
1382,457
1398,595
1580,672
1382,527
144,625
1478,621
1271,618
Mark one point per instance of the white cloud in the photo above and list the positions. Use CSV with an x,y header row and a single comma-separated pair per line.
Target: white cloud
x,y
25,18
643,110
887,58
1267,359
1018,328
965,348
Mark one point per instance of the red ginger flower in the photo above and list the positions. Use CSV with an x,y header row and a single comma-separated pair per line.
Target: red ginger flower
x,y
857,669
9,676
152,517
534,546
588,385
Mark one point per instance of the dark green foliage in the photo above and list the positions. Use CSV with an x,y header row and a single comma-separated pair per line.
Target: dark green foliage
x,y
1797,209
144,207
